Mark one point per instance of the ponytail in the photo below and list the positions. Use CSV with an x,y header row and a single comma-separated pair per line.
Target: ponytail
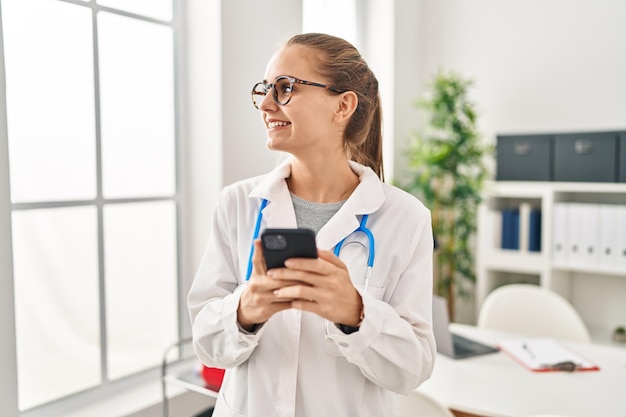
x,y
342,65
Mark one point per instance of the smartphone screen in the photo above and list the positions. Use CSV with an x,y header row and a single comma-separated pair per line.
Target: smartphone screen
x,y
282,244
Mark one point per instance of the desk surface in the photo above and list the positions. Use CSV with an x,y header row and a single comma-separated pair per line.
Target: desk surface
x,y
494,385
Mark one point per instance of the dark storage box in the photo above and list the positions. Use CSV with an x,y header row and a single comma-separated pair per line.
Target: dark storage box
x,y
622,157
586,157
524,158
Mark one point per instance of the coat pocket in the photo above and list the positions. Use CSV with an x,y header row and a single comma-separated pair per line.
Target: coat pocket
x,y
223,409
375,292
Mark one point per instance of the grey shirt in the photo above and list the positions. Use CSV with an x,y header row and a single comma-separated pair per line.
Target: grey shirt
x,y
312,215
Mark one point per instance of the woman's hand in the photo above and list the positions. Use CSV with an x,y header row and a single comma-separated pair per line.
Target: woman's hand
x,y
258,302
322,286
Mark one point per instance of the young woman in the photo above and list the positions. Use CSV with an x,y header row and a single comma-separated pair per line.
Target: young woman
x,y
343,334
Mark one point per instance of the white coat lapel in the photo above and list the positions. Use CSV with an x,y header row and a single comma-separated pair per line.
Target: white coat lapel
x,y
279,212
366,199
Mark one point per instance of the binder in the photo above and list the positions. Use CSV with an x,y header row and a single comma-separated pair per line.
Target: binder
x,y
589,234
545,355
496,219
510,229
609,237
621,232
559,241
574,234
523,226
515,230
534,230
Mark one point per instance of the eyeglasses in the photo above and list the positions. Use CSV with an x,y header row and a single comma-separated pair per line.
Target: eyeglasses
x,y
282,89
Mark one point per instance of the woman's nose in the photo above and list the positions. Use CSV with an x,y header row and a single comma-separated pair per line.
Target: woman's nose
x,y
268,103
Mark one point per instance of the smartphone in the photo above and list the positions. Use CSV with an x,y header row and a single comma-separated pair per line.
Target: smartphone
x,y
282,244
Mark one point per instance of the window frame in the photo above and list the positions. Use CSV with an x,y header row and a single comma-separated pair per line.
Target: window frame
x,y
8,351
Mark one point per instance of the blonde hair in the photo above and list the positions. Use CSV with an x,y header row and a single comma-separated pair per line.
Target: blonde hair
x,y
342,65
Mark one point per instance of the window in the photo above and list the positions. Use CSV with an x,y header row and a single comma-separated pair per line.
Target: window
x,y
92,140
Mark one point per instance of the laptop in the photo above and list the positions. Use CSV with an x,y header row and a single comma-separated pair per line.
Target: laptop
x,y
448,343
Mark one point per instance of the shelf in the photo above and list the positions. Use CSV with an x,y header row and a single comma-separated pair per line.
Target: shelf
x,y
538,188
536,263
514,189
515,261
590,269
595,287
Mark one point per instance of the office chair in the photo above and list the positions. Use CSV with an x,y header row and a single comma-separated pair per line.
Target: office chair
x,y
418,404
532,310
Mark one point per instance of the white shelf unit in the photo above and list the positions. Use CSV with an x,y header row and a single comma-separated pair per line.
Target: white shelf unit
x,y
597,292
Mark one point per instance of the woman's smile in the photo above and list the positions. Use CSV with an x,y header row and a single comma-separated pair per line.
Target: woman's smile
x,y
274,124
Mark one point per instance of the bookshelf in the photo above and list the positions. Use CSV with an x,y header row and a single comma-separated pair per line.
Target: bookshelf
x,y
594,286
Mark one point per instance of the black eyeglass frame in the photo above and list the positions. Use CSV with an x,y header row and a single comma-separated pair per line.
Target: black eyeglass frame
x,y
292,81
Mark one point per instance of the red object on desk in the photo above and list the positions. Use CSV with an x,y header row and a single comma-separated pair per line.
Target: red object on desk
x,y
213,377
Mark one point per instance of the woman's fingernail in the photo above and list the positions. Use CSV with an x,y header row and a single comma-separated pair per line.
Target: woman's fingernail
x,y
276,293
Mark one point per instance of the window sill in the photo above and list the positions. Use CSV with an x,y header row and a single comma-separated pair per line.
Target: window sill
x,y
144,400
128,403
136,396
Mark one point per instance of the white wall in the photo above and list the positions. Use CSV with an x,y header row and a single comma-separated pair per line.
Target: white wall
x,y
200,118
538,65
8,358
251,32
226,46
376,40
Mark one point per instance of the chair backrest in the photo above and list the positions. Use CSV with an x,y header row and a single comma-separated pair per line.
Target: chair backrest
x,y
532,310
418,404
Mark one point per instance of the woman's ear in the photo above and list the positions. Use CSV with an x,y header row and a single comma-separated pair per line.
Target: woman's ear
x,y
346,106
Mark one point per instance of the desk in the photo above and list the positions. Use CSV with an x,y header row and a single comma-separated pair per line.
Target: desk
x,y
494,385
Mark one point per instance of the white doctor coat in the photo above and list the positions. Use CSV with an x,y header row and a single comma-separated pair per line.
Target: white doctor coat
x,y
289,368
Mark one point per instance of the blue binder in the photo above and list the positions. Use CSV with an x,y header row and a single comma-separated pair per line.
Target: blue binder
x,y
534,232
510,229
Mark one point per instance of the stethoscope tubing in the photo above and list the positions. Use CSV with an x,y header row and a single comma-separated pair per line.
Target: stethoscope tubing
x,y
370,257
362,228
257,229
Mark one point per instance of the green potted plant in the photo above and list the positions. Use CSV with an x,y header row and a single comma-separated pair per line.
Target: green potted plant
x,y
447,163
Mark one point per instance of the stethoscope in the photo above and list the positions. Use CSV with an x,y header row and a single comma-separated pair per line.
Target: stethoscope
x,y
362,228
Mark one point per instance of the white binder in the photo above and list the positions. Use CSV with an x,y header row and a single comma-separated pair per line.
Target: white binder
x,y
589,234
573,248
609,251
621,239
560,225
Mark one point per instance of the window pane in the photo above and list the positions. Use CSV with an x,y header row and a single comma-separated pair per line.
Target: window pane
x,y
137,103
158,9
50,100
56,302
141,291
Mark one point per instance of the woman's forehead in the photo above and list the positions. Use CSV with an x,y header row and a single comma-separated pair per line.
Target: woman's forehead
x,y
294,60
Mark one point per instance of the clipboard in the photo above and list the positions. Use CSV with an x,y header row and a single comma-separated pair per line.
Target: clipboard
x,y
546,355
